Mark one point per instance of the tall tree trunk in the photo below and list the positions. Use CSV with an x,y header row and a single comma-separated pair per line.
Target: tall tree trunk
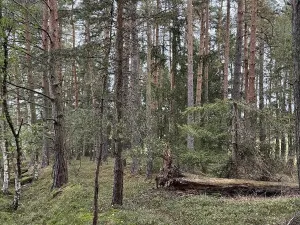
x,y
252,116
262,131
206,43
283,113
174,59
60,170
100,139
47,103
135,87
74,72
236,96
220,28
149,99
4,157
201,56
296,61
31,87
226,53
291,148
98,159
190,82
117,198
15,133
246,63
252,95
277,133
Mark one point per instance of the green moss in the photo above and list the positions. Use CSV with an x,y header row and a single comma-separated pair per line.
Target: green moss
x,y
73,203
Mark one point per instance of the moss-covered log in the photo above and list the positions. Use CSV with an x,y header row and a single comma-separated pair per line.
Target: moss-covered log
x,y
232,187
26,180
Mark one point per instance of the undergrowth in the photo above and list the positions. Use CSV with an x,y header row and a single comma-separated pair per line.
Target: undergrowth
x,y
72,204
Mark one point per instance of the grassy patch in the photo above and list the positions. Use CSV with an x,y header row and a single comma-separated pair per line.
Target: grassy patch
x,y
73,203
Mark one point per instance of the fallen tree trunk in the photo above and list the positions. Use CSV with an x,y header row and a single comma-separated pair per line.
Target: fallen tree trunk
x,y
171,177
231,187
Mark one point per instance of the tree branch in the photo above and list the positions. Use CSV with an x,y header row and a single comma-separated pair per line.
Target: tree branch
x,y
19,130
39,93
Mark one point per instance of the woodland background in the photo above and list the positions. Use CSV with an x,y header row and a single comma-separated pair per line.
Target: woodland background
x,y
210,82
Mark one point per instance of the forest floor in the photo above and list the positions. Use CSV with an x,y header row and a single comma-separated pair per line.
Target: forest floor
x,y
143,204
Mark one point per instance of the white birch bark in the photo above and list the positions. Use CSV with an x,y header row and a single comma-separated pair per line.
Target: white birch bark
x,y
5,168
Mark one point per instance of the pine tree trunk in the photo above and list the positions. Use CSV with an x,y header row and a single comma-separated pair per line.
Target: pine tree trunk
x,y
291,148
74,72
135,88
98,159
200,65
47,103
220,29
206,47
238,53
246,55
226,54
117,198
236,90
60,170
283,113
262,131
277,134
149,99
190,82
252,62
31,87
296,61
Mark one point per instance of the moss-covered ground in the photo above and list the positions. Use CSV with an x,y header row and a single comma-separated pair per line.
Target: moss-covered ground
x,y
72,205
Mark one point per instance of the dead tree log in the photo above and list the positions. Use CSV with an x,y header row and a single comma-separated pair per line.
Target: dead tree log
x,y
232,187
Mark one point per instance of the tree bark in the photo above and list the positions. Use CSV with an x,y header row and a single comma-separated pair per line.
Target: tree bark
x,y
100,138
206,44
296,62
262,131
5,157
236,96
201,56
15,133
283,113
74,71
246,63
252,62
135,88
226,54
60,169
232,187
220,28
291,148
149,99
98,160
47,103
190,82
31,86
117,198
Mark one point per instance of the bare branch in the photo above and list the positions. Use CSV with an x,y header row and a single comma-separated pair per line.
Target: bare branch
x,y
25,88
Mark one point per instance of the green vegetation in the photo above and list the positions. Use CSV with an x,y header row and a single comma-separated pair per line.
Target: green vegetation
x,y
143,204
